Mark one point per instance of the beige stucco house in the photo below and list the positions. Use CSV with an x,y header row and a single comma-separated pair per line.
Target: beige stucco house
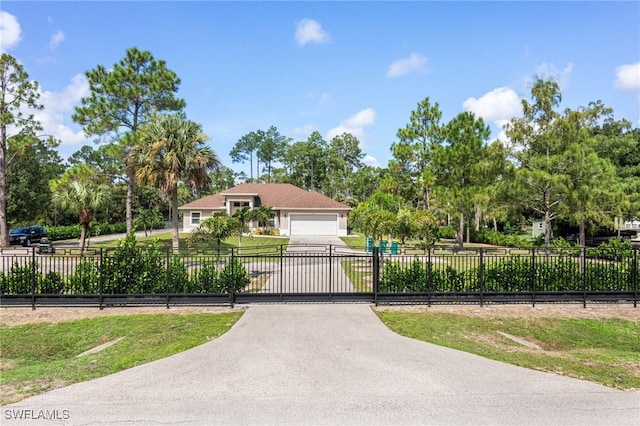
x,y
297,212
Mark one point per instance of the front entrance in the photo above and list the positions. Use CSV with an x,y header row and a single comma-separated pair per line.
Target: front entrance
x,y
311,273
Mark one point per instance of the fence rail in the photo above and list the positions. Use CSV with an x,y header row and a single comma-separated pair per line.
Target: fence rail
x,y
276,274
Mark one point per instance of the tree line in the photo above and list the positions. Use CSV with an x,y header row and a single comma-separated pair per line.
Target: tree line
x,y
578,167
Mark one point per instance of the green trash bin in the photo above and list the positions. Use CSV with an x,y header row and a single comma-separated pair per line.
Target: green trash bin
x,y
383,247
394,247
369,245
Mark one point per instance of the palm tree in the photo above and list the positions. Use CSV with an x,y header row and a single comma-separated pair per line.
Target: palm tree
x,y
172,150
82,198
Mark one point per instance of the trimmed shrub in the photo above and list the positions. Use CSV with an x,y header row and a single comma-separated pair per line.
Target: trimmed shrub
x,y
234,276
86,278
52,283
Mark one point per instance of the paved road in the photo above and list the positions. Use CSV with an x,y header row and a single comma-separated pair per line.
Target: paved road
x,y
330,364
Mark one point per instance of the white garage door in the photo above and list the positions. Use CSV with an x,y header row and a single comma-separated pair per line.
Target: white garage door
x,y
314,224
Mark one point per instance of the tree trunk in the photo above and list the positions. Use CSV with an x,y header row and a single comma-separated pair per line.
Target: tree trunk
x,y
174,219
4,229
547,231
583,245
468,230
83,237
129,203
460,234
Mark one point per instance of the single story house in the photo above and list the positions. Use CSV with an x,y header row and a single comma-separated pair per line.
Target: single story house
x,y
297,212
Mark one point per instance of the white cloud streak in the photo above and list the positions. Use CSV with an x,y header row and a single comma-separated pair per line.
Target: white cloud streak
x,y
498,106
415,63
56,39
562,76
10,31
354,124
628,78
310,31
58,107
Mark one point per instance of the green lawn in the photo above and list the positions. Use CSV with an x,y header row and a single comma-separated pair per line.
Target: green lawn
x,y
38,357
165,240
605,351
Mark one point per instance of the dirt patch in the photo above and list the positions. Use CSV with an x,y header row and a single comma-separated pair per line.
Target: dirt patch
x,y
17,316
553,310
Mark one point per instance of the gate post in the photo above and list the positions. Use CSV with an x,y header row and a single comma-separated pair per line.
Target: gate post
x,y
33,278
231,287
281,271
376,273
330,273
481,277
101,281
533,276
634,276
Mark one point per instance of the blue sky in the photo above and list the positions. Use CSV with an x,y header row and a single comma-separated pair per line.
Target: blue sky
x,y
360,67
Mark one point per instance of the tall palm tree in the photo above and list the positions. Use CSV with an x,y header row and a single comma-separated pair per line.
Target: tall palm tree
x,y
82,198
172,150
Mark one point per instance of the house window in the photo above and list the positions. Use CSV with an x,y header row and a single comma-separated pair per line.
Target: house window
x,y
240,204
195,218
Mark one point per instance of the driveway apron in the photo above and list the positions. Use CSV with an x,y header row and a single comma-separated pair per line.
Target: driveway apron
x,y
330,364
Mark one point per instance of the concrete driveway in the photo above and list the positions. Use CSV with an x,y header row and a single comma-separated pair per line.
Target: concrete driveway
x,y
329,364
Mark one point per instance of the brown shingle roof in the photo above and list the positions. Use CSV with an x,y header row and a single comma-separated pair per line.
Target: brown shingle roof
x,y
215,201
275,195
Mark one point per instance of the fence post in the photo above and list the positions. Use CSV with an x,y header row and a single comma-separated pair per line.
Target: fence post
x,y
634,276
429,277
281,271
101,280
167,262
533,276
232,291
481,276
33,278
330,273
376,273
584,276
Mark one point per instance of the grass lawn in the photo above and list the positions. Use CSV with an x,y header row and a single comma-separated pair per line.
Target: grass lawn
x,y
605,351
39,357
165,241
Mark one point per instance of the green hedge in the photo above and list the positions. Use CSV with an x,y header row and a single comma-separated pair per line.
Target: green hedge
x,y
515,274
130,270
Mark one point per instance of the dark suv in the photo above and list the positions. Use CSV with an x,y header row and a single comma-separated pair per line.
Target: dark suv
x,y
27,235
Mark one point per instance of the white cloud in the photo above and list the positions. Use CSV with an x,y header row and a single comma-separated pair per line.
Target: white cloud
x,y
10,32
56,39
304,131
546,70
325,99
354,124
58,107
498,105
371,161
628,77
310,31
414,63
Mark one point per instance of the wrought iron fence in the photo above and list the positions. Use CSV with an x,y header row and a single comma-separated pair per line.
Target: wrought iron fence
x,y
103,277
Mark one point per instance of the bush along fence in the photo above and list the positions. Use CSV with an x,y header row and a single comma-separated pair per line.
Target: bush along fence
x,y
130,275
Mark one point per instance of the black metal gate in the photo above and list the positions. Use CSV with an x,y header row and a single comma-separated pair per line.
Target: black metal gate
x,y
310,274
